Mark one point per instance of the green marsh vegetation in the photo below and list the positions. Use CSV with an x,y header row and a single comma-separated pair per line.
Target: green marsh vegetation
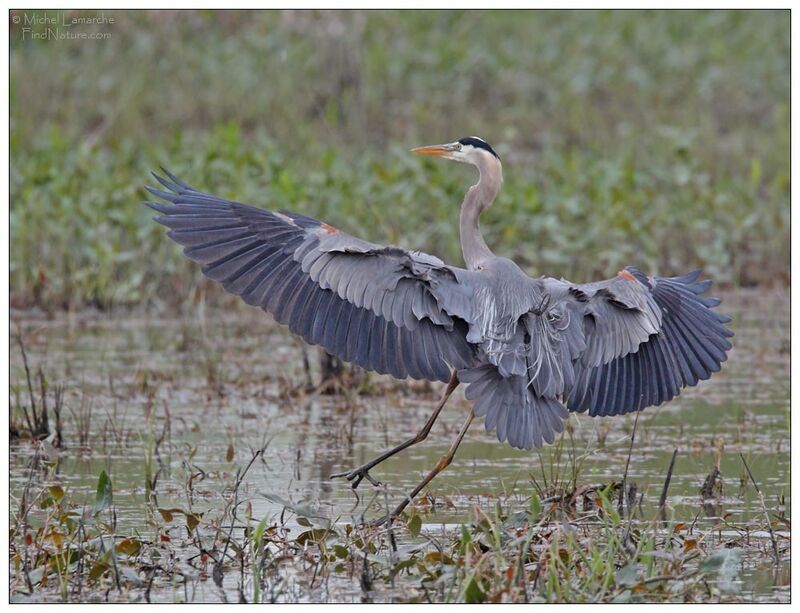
x,y
654,138
168,446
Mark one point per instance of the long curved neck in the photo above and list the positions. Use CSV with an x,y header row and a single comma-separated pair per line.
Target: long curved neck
x,y
479,197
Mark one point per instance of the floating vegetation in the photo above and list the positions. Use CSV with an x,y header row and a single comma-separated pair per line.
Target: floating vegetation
x,y
551,551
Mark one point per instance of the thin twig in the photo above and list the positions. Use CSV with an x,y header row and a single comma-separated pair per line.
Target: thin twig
x,y
30,384
232,505
764,509
662,502
42,424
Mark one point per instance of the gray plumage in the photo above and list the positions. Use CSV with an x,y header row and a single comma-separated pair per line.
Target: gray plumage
x,y
528,349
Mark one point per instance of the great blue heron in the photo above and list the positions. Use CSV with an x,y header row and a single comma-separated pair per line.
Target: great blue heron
x,y
528,349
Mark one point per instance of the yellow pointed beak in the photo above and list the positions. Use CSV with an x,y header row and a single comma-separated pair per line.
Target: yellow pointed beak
x,y
435,150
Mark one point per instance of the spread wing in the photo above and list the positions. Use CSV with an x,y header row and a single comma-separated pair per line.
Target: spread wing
x,y
382,308
608,347
647,338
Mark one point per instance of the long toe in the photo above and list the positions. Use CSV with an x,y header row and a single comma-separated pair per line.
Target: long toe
x,y
357,476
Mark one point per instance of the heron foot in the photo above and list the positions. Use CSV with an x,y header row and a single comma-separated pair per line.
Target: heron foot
x,y
356,476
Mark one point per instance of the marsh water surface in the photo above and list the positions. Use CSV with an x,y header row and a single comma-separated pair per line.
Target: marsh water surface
x,y
189,400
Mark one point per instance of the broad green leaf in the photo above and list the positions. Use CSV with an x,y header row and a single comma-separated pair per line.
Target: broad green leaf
x,y
193,519
259,531
473,592
317,535
627,575
103,496
414,525
129,546
535,506
56,492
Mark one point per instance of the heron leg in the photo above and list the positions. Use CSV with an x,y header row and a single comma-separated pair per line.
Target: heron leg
x,y
443,463
362,472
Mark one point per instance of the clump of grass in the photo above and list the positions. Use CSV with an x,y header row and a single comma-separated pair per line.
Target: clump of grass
x,y
82,416
117,423
35,412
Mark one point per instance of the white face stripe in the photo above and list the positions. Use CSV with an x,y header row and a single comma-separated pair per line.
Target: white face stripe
x,y
469,154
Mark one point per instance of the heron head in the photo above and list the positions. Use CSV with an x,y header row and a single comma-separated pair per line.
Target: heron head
x,y
469,150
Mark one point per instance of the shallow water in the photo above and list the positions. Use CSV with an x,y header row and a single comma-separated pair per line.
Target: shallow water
x,y
232,380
